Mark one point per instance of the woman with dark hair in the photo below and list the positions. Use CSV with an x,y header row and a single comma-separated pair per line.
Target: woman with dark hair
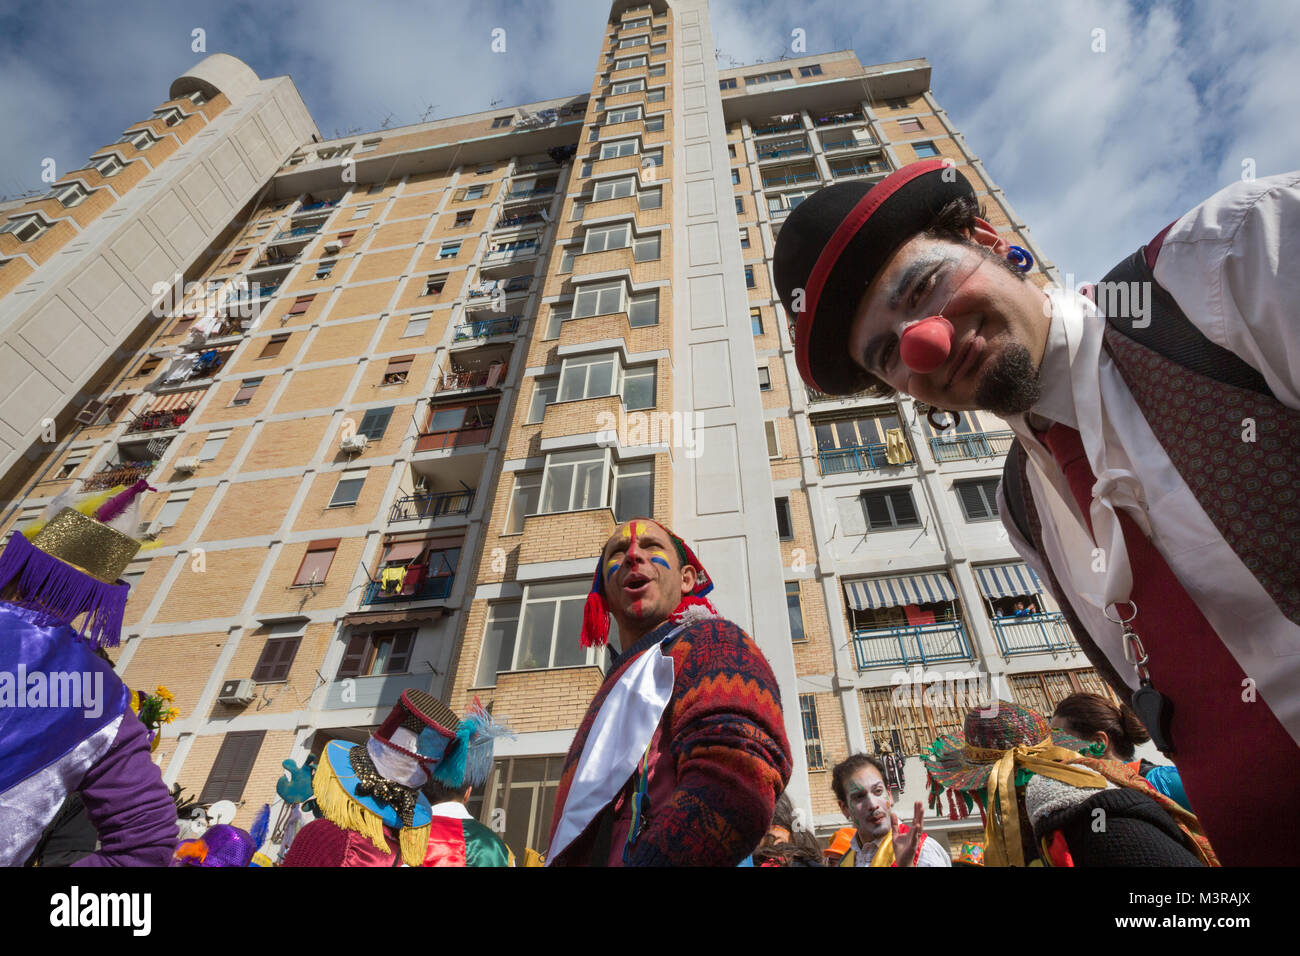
x,y
786,843
1114,731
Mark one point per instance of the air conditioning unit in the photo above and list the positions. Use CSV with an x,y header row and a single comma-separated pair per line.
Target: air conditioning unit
x,y
188,465
236,692
354,443
333,246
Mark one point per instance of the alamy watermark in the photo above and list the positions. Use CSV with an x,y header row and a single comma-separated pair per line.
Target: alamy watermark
x,y
962,690
62,689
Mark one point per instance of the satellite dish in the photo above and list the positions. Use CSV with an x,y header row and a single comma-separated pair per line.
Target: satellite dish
x,y
223,811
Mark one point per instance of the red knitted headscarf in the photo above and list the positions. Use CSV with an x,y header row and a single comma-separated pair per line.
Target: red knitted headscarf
x,y
595,614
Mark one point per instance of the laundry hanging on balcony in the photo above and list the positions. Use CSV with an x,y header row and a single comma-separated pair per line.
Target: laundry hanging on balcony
x,y
897,450
209,324
926,587
181,369
1008,580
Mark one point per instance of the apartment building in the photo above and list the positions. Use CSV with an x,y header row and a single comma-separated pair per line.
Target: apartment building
x,y
413,379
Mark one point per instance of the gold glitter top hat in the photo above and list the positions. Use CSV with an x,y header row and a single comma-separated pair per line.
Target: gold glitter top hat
x,y
71,565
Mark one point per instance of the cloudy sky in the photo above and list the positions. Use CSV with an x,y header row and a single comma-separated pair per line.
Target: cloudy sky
x,y
1102,119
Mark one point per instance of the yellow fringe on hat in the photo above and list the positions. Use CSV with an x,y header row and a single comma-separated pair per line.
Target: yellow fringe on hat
x,y
340,809
415,843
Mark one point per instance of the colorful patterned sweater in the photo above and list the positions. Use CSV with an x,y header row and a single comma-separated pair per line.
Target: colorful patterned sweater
x,y
721,756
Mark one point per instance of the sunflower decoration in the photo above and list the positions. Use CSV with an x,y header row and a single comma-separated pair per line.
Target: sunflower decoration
x,y
153,711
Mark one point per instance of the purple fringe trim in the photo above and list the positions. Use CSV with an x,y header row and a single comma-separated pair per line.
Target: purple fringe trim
x,y
60,590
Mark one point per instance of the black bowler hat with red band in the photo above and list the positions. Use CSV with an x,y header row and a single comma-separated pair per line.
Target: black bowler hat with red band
x,y
834,243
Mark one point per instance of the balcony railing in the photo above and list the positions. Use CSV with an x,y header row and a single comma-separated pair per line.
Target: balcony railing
x,y
432,506
1033,634
510,255
323,204
484,328
299,231
834,119
156,421
471,378
918,644
515,194
453,438
535,167
430,589
772,128
121,475
799,149
517,284
789,179
840,461
512,222
969,446
860,169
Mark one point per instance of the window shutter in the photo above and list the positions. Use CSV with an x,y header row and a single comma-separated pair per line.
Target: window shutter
x,y
904,509
354,656
229,774
301,304
375,422
399,363
971,501
877,510
399,660
319,557
276,659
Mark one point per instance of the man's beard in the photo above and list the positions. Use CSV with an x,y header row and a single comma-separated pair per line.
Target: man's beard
x,y
1010,384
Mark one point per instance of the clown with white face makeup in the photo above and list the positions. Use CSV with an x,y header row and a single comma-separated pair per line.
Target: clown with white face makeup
x,y
880,839
682,754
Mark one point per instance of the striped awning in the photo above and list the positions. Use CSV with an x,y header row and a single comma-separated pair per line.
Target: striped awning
x,y
172,400
926,587
1008,580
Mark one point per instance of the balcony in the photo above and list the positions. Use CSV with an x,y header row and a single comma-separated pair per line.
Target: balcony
x,y
297,231
520,252
544,165
1033,634
434,505
535,192
118,475
486,328
971,446
836,117
870,167
454,438
518,221
317,206
490,287
781,149
160,420
774,126
430,589
455,378
855,458
788,177
911,644
833,144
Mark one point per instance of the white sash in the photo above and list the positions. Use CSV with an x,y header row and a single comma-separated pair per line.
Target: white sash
x,y
619,736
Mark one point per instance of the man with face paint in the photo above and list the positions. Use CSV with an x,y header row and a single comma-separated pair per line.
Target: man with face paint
x,y
683,753
1153,481
880,840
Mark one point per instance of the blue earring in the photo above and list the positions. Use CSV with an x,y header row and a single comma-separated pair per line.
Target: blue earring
x,y
1020,258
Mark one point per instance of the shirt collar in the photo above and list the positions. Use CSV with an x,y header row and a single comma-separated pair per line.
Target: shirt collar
x,y
1056,401
451,808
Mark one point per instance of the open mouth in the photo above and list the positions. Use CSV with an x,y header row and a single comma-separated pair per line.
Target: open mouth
x,y
635,584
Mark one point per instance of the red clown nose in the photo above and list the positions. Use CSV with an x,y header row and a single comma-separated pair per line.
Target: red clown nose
x,y
925,345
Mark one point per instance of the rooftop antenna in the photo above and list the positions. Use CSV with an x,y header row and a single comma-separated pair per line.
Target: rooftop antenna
x,y
428,111
387,122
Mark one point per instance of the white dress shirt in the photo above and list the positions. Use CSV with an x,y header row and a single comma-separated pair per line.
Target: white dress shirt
x,y
932,854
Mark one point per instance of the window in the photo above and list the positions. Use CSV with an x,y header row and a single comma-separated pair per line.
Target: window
x,y
773,445
212,445
141,140
784,524
654,157
594,133
606,238
551,615
814,70
588,377
890,508
198,97
464,218
475,192
633,490
658,70
273,345
623,147
524,497
523,790
898,103
316,562
399,366
567,255
498,642
377,653
237,257
639,387
544,392
72,463
910,724
183,325
483,169
1043,691
300,305
812,734
735,177
625,114
598,300
731,150
434,285
324,268
449,250
559,315
978,498
650,198
362,211
462,418
348,490
579,208
764,379
613,189
910,125
345,238
369,145
646,248
108,166
234,763
659,49
26,228
926,149
627,86
655,96
375,422
171,510
654,124
749,277
795,610
740,205
573,480
769,77
756,321
74,194
643,310
246,389
629,63
275,660
416,324
503,122
660,31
